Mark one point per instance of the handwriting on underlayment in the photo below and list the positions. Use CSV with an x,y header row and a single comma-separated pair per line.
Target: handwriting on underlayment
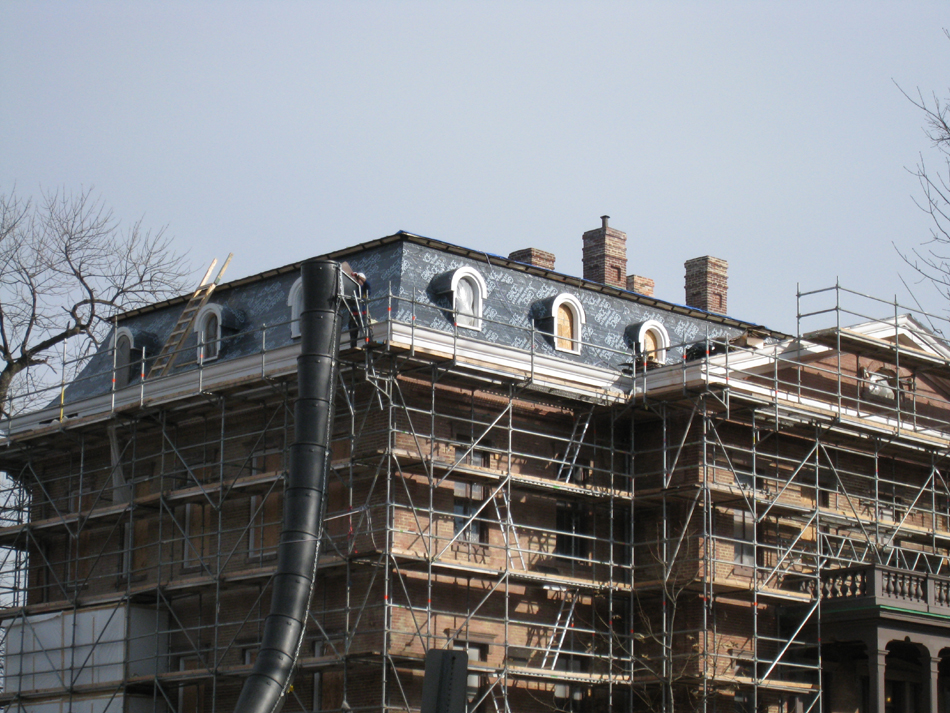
x,y
607,317
520,294
497,277
520,343
616,341
688,331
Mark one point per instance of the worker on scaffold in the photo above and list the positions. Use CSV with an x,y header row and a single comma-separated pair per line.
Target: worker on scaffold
x,y
359,311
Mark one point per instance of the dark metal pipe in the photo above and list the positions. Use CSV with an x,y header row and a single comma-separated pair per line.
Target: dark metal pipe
x,y
305,491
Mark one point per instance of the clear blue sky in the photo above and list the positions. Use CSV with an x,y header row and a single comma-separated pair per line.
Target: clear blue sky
x,y
770,134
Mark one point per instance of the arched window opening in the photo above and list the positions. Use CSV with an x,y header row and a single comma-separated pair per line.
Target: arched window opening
x,y
467,311
467,292
295,302
208,332
210,336
565,328
568,317
650,341
880,385
123,360
650,345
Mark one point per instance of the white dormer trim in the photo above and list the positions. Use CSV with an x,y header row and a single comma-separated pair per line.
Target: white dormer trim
x,y
208,352
122,361
661,336
481,294
574,305
295,302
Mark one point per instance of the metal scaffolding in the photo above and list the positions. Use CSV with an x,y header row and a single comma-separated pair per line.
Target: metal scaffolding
x,y
666,545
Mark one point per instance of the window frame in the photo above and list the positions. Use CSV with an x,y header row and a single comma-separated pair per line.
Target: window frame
x,y
743,530
295,302
264,525
122,360
468,527
661,336
208,312
479,294
572,532
574,305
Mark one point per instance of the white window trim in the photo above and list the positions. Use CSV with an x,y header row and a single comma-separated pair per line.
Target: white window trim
x,y
580,318
481,294
200,320
295,302
124,332
663,339
117,367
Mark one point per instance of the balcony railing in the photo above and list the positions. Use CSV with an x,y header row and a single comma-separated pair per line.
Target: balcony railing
x,y
887,586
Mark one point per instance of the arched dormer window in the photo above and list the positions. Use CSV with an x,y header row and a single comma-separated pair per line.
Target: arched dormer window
x,y
651,340
295,302
469,292
124,357
208,329
569,320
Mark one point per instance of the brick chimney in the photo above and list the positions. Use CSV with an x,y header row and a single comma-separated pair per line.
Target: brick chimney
x,y
605,255
533,256
639,284
706,283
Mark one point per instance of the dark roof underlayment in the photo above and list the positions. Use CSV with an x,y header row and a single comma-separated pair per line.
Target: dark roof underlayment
x,y
407,267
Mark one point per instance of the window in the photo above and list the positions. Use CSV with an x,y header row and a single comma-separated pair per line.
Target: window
x,y
127,359
650,341
208,329
191,697
469,498
564,691
466,455
565,328
263,534
571,541
123,358
744,532
568,317
881,385
295,302
136,552
742,703
473,682
328,684
469,292
198,534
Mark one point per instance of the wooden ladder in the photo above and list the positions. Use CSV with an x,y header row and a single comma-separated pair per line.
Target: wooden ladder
x,y
169,353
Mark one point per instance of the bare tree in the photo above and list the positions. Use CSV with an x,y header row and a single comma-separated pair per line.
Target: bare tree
x,y
931,260
66,269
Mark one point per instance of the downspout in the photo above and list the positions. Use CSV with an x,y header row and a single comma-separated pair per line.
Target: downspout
x,y
305,489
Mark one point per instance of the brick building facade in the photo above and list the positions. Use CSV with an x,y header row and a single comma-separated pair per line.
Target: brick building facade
x,y
610,502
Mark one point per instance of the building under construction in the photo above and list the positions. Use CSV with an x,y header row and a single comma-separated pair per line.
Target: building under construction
x,y
610,501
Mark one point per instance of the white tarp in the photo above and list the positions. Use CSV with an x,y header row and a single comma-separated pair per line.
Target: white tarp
x,y
98,704
89,646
